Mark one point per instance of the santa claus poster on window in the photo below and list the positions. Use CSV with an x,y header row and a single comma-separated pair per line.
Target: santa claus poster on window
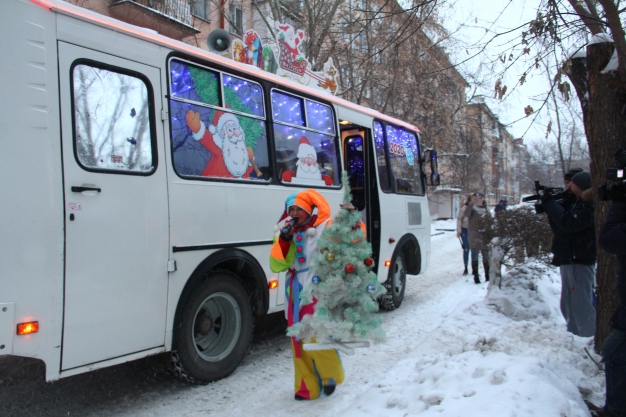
x,y
284,58
216,143
307,169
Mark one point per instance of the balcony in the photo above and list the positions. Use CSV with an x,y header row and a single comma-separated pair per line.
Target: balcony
x,y
171,18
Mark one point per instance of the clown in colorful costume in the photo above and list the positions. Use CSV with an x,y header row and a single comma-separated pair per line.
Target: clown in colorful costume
x,y
315,371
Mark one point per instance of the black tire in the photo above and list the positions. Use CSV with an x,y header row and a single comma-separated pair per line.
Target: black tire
x,y
214,330
395,284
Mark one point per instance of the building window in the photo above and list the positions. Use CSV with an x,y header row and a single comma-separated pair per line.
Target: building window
x,y
200,8
235,15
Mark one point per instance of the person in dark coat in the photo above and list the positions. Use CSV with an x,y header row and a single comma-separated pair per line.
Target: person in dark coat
x,y
574,249
476,209
612,239
501,206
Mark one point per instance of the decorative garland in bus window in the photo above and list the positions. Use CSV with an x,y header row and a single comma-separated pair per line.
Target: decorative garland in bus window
x,y
304,157
320,117
403,149
307,155
287,109
381,160
216,143
243,95
186,80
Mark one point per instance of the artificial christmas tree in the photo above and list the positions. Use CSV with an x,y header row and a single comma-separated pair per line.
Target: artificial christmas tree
x,y
344,286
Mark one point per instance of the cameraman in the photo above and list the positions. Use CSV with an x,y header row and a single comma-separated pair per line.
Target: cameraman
x,y
574,249
612,238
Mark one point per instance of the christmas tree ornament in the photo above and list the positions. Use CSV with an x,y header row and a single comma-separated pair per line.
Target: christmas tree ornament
x,y
316,280
349,268
330,256
368,261
370,288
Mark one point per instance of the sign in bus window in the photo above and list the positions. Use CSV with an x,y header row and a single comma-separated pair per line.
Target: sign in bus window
x,y
320,117
304,157
243,95
287,108
214,143
381,159
404,160
112,123
189,82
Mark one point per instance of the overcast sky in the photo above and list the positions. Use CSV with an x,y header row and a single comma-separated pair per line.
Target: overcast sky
x,y
469,20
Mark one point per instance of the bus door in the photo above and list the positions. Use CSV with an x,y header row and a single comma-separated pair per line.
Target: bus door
x,y
116,208
360,164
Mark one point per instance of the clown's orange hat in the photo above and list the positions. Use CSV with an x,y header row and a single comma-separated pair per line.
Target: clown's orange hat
x,y
308,200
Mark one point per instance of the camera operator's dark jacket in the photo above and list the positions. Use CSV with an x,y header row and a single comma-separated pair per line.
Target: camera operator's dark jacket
x,y
613,240
574,230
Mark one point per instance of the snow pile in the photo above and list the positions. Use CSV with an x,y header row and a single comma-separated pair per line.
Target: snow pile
x,y
506,354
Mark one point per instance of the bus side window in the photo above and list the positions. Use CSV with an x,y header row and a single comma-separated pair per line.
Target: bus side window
x,y
210,140
113,120
305,140
381,159
404,160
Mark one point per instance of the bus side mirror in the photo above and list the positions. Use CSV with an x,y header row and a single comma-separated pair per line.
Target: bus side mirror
x,y
430,160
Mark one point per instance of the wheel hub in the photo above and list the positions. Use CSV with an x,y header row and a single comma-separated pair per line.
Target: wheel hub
x,y
204,323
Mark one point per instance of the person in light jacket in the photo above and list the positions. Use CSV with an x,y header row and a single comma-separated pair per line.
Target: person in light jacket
x,y
461,232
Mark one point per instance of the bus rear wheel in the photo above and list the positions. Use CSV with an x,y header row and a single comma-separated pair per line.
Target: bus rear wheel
x,y
395,284
214,330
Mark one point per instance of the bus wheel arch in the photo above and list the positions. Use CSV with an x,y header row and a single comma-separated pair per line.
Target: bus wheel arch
x,y
227,287
406,259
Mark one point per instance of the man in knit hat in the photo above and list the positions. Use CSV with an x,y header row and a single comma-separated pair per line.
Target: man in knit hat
x,y
574,249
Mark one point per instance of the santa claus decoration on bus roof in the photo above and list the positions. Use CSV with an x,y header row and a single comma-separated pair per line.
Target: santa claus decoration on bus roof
x,y
307,170
292,63
225,139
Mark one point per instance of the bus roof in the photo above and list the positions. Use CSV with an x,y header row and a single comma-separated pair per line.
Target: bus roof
x,y
62,7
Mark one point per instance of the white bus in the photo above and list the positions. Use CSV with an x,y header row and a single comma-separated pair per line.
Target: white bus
x,y
141,179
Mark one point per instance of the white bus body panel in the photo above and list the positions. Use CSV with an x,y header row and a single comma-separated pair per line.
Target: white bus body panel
x,y
31,193
116,246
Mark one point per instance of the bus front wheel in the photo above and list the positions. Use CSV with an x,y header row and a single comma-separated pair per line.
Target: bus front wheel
x,y
395,284
214,330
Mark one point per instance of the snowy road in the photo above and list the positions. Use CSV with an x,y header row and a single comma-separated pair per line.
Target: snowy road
x,y
262,385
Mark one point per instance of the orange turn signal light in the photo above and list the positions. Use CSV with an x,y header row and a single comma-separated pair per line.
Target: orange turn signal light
x,y
27,328
387,262
273,284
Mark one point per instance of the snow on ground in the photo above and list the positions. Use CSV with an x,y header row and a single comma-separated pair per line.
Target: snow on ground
x,y
452,350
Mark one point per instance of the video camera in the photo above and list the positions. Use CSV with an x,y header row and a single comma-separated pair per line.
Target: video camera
x,y
557,193
616,190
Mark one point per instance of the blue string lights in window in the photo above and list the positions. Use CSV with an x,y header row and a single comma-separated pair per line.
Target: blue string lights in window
x,y
287,109
249,93
320,117
182,85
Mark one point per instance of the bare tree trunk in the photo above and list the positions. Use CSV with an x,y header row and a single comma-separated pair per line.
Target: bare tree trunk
x,y
604,126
